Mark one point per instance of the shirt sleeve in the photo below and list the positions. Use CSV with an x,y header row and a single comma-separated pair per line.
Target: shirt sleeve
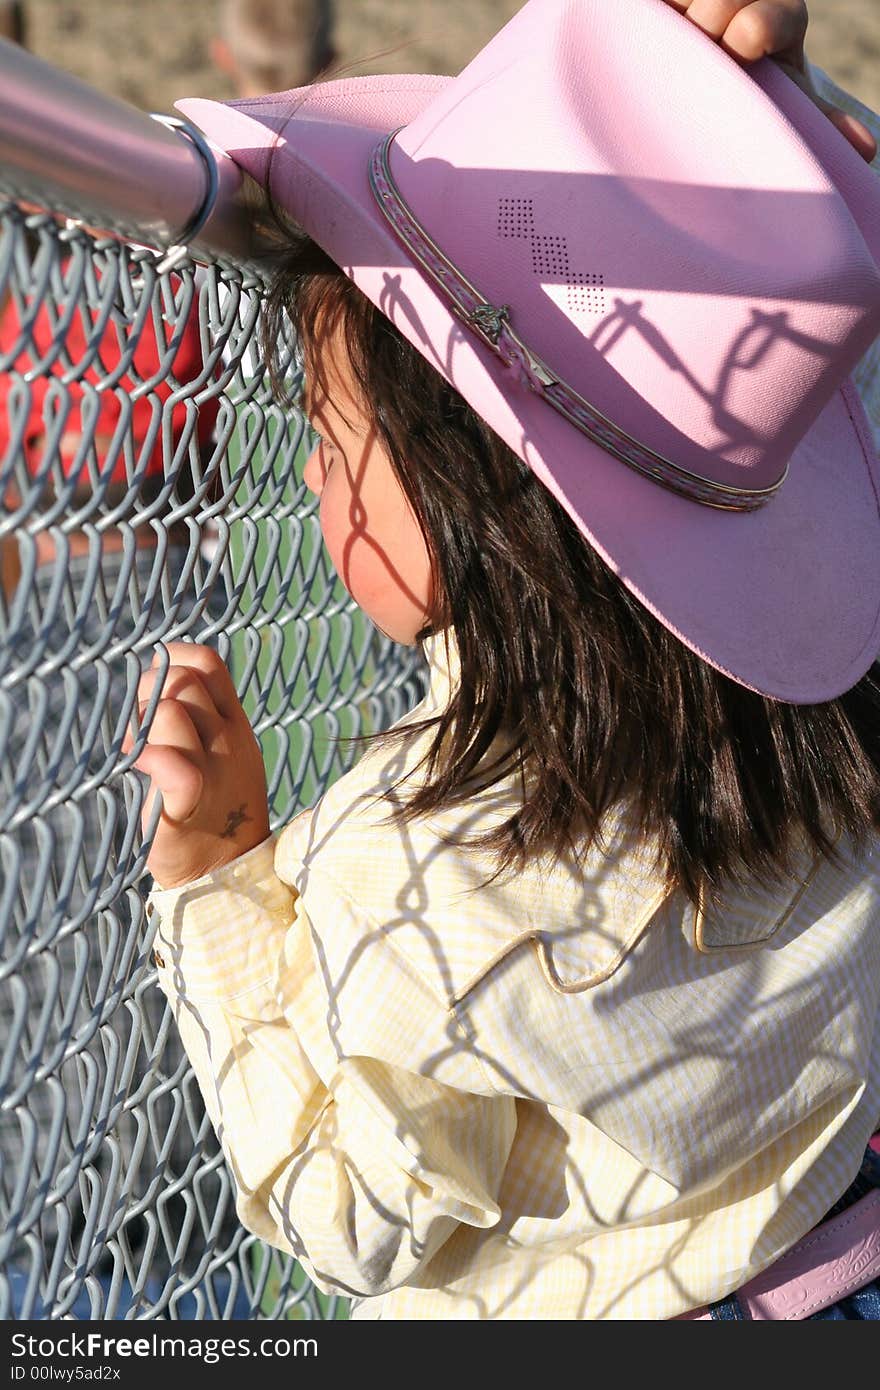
x,y
359,1166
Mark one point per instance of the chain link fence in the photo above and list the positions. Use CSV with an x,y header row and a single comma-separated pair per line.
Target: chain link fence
x,y
152,491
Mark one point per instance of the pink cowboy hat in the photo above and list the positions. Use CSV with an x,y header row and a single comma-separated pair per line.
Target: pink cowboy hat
x,y
650,271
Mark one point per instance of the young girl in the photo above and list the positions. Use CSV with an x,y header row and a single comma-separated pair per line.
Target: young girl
x,y
564,1002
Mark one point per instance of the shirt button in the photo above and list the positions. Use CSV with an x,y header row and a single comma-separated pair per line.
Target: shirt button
x,y
157,959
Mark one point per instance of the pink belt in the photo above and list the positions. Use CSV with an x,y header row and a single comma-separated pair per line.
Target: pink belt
x,y
833,1260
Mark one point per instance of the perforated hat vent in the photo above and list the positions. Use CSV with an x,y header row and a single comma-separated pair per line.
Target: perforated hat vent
x,y
586,288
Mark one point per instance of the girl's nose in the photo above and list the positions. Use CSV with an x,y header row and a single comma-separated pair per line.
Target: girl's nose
x,y
315,471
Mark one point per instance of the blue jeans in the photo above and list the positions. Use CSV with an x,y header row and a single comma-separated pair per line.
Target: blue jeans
x,y
864,1304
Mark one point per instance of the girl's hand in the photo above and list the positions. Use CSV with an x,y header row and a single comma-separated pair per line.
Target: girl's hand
x,y
752,29
203,756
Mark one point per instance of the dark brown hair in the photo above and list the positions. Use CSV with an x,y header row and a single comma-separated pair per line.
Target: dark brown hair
x,y
591,698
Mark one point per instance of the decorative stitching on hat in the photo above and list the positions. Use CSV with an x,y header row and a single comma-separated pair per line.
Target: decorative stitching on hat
x,y
516,218
586,289
492,325
550,256
587,292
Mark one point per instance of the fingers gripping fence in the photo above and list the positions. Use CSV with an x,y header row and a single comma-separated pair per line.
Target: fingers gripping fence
x,y
152,492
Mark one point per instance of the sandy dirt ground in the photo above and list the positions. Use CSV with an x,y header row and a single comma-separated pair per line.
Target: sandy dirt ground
x,y
151,51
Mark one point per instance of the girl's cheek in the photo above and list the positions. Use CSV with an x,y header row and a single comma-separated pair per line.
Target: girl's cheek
x,y
395,597
335,528
383,562
315,471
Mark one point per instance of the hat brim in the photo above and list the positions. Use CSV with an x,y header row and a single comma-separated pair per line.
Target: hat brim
x,y
784,599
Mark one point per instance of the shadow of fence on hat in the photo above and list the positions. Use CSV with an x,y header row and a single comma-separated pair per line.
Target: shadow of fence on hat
x,y
701,320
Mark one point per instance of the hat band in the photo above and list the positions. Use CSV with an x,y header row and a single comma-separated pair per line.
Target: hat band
x,y
492,325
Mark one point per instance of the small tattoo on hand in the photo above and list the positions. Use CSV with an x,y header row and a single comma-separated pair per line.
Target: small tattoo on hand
x,y
234,820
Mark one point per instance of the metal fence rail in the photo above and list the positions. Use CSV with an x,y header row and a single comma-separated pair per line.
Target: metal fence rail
x,y
151,491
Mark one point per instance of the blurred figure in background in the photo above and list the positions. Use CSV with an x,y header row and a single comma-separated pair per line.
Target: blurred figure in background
x,y
272,45
12,21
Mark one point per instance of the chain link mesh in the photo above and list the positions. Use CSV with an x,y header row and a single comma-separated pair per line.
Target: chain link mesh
x,y
152,492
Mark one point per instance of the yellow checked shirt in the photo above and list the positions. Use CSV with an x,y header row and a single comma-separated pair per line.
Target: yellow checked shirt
x,y
563,1096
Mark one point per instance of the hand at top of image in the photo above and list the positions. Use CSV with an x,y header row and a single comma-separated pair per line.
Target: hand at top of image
x,y
777,29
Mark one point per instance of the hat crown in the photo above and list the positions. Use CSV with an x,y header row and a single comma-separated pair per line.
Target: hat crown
x,y
689,247
697,278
